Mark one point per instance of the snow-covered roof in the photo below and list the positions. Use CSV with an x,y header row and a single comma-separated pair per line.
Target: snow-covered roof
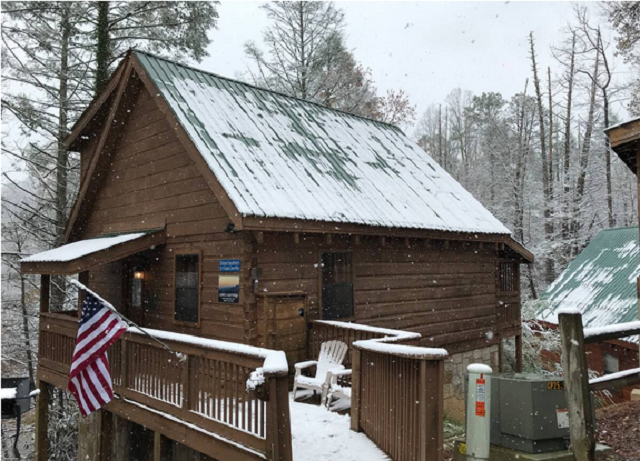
x,y
82,248
277,156
617,125
601,283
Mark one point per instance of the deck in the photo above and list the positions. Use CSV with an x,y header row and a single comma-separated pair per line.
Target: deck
x,y
200,401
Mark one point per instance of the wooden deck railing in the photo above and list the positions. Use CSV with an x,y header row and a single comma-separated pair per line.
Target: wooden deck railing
x,y
574,365
321,331
206,388
398,399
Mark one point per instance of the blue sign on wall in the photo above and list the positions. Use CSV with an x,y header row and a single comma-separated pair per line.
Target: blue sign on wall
x,y
229,265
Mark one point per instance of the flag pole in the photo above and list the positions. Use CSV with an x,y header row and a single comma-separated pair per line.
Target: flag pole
x,y
109,306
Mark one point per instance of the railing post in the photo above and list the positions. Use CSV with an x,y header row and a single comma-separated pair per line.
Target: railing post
x,y
124,371
574,364
278,420
431,410
356,392
186,389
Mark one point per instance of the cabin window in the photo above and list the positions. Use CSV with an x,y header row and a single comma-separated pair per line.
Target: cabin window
x,y
508,277
187,288
611,364
337,285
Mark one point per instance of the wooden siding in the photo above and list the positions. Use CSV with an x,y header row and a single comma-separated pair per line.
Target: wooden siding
x,y
152,182
445,291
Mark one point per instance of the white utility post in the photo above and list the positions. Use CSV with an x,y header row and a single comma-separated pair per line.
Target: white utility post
x,y
479,412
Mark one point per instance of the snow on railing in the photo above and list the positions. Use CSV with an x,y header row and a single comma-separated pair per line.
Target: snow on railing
x,y
275,362
617,330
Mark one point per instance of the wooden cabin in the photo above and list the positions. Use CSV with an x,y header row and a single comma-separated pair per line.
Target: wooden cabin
x,y
212,208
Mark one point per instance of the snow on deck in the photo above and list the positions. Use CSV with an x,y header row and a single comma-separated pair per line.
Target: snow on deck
x,y
277,156
82,248
321,435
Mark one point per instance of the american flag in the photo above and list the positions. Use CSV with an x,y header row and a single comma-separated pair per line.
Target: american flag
x,y
90,378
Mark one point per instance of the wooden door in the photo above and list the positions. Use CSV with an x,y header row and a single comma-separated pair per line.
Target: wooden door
x,y
285,326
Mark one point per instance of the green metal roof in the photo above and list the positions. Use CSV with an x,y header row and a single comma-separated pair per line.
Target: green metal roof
x,y
281,157
601,282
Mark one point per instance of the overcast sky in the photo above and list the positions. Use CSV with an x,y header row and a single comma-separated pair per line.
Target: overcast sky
x,y
424,48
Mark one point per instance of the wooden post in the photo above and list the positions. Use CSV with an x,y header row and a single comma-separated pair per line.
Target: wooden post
x,y
518,340
278,422
45,292
106,434
576,374
356,356
157,446
42,420
431,414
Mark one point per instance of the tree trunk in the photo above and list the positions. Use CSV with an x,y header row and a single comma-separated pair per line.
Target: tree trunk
x,y
103,47
566,163
62,161
546,178
607,159
576,224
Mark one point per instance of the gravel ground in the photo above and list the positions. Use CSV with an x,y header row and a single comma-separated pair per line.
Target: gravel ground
x,y
619,427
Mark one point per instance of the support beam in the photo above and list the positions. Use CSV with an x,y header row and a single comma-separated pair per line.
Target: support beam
x,y
45,292
518,340
157,446
296,237
42,422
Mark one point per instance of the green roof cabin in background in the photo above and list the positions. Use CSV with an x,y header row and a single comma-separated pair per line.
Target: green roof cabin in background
x,y
600,282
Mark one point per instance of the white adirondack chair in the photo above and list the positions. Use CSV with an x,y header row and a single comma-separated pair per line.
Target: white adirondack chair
x,y
333,388
331,356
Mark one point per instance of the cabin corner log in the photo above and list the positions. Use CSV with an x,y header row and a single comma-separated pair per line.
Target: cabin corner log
x,y
574,364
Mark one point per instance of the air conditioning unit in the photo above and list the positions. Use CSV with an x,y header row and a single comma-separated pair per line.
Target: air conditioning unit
x,y
529,412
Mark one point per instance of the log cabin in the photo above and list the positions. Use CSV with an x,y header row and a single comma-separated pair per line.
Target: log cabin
x,y
212,208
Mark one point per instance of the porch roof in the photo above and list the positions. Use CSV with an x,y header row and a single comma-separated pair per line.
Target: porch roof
x,y
80,256
625,141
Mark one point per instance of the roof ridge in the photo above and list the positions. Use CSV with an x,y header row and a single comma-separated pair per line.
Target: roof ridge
x,y
268,90
619,228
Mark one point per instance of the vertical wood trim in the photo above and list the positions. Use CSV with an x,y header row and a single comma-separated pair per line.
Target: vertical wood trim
x,y
574,364
356,395
45,292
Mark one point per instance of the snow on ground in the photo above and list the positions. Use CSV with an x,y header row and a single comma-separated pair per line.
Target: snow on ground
x,y
321,435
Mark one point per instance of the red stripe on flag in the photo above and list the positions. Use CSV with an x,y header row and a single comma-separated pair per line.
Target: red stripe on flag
x,y
99,337
93,326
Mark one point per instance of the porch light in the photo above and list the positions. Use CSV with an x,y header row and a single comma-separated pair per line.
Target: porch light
x,y
138,275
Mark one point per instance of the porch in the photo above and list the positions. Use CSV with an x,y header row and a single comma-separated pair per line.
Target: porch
x,y
202,401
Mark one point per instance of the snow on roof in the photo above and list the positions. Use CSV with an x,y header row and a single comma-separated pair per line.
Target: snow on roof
x,y
617,125
601,283
82,248
278,156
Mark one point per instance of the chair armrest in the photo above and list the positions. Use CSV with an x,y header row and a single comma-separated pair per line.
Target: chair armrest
x,y
340,372
307,364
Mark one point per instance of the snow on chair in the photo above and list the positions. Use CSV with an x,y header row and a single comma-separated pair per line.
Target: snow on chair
x,y
332,354
334,389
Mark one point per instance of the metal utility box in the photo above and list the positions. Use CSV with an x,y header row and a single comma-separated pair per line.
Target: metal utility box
x,y
529,413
